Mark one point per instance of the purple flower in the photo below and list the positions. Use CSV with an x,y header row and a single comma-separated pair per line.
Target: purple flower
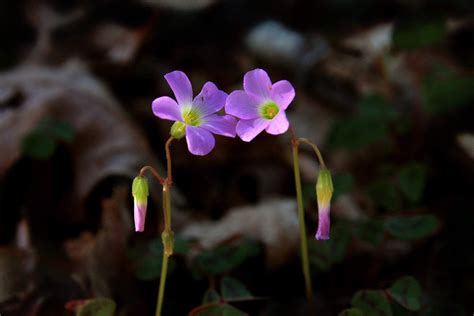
x,y
261,105
196,118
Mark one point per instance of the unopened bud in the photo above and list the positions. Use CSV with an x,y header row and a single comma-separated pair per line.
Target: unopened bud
x,y
324,190
140,199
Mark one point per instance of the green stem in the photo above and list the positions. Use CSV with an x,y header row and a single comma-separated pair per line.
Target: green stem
x,y
303,238
316,150
161,292
167,206
167,235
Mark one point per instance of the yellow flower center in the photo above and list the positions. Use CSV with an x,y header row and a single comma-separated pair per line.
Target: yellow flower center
x,y
192,116
269,110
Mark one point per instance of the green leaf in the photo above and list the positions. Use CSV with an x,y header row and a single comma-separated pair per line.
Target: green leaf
x,y
411,179
320,255
398,310
369,125
443,308
443,89
323,254
372,303
374,106
407,292
211,296
234,289
96,307
343,183
225,258
147,257
41,142
181,245
385,195
38,146
418,33
357,132
222,310
57,130
371,231
148,268
351,312
412,227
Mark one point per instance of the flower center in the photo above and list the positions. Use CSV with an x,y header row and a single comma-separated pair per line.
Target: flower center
x,y
192,117
269,110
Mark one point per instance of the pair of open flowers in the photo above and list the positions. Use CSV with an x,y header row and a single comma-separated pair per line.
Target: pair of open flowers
x,y
259,106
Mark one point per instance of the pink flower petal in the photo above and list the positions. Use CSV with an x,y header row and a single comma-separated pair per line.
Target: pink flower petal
x,y
139,214
221,125
241,105
258,83
248,129
279,124
324,223
181,86
210,100
200,141
282,93
166,108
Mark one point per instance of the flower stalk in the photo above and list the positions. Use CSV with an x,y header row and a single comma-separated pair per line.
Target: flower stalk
x,y
167,236
324,191
303,238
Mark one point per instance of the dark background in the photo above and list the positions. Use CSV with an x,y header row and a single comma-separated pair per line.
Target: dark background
x,y
385,88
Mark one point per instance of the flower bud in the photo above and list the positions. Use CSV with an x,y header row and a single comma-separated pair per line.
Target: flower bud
x,y
140,198
178,130
324,190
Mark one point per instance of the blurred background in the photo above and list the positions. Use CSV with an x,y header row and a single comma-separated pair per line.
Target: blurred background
x,y
386,88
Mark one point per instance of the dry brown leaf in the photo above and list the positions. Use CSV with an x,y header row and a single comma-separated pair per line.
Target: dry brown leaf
x,y
106,141
100,259
310,120
104,40
119,43
346,207
17,263
373,42
466,142
272,222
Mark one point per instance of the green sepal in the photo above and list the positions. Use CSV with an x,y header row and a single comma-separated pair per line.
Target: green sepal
x,y
178,130
140,189
324,186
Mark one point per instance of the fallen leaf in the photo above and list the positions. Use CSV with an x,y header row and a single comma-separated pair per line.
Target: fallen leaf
x,y
466,142
373,42
17,263
100,260
106,142
273,222
119,43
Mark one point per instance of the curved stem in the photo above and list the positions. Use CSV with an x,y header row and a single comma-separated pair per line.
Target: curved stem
x,y
316,150
169,177
303,237
161,291
154,172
